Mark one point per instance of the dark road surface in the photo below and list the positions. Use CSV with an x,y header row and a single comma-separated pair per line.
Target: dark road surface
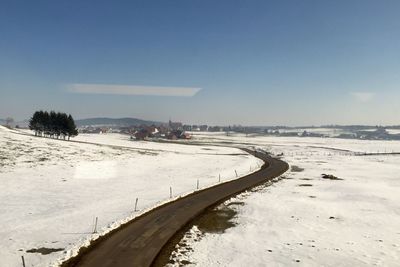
x,y
138,243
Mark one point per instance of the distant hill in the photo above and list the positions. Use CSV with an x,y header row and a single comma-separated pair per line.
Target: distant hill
x,y
119,122
21,124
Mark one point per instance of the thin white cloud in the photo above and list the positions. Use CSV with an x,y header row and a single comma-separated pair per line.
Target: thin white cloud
x,y
132,90
363,97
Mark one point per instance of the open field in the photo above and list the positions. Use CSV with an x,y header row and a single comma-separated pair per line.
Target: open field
x,y
140,242
348,219
52,190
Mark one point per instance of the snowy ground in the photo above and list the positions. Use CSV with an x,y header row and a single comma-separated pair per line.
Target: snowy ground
x,y
305,220
52,190
328,144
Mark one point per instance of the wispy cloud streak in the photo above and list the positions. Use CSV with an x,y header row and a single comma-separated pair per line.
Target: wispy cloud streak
x,y
132,90
363,97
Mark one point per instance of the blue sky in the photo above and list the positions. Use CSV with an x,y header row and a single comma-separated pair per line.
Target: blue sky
x,y
256,62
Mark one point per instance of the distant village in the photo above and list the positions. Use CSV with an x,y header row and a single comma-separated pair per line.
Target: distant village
x,y
171,131
179,131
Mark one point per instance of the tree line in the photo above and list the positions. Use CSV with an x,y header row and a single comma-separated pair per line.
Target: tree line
x,y
53,124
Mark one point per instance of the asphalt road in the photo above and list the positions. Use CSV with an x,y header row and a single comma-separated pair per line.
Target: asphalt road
x,y
138,243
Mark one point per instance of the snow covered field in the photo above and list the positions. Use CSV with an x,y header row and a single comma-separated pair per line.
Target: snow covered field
x,y
304,219
328,144
52,190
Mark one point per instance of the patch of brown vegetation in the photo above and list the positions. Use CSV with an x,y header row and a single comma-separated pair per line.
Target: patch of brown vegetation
x,y
295,168
330,177
44,251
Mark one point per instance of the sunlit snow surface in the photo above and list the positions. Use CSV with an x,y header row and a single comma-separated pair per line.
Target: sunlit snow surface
x,y
305,220
52,190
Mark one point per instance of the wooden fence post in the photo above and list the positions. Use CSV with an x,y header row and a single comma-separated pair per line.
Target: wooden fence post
x,y
95,226
23,261
137,199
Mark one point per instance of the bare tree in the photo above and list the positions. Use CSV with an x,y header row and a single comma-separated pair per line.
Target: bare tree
x,y
9,120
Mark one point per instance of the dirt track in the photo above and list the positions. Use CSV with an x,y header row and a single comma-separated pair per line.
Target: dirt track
x,y
139,242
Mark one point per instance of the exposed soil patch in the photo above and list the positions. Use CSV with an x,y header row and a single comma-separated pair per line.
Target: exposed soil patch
x,y
330,177
185,262
305,185
217,220
295,168
44,251
148,153
235,203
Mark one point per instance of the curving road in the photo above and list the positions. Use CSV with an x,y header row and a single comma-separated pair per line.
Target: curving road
x,y
139,242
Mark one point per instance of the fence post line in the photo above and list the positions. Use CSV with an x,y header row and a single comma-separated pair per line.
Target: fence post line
x,y
236,173
219,178
170,192
197,184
